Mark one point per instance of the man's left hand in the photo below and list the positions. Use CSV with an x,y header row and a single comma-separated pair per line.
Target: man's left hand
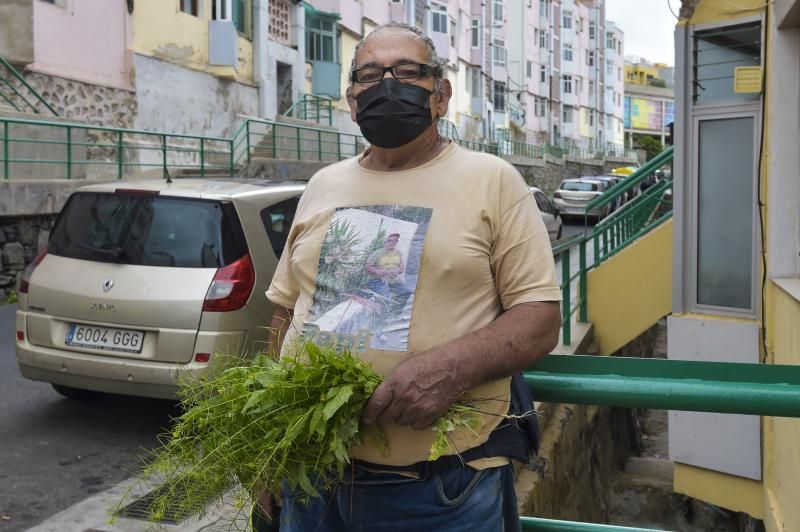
x,y
416,393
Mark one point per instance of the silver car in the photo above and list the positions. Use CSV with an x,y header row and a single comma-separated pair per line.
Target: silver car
x,y
550,214
143,284
573,195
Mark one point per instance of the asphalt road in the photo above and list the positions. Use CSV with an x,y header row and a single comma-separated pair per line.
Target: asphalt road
x,y
55,452
574,228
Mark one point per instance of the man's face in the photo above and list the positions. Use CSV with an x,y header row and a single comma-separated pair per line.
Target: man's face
x,y
394,46
391,242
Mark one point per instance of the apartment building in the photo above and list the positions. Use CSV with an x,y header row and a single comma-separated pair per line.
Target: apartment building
x,y
532,71
640,71
171,65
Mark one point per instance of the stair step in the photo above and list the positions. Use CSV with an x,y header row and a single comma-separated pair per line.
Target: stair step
x,y
288,120
195,172
647,471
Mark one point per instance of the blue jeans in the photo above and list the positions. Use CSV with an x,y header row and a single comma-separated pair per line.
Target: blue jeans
x,y
455,500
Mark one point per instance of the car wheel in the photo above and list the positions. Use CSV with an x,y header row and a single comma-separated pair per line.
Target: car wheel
x,y
74,393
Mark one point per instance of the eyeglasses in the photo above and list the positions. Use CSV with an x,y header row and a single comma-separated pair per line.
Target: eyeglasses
x,y
404,71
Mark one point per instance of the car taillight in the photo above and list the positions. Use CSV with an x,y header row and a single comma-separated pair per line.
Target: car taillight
x,y
557,195
231,287
25,280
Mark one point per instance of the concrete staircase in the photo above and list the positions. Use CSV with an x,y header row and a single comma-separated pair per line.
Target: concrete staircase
x,y
317,143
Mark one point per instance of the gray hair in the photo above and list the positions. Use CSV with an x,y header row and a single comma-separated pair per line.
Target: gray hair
x,y
433,58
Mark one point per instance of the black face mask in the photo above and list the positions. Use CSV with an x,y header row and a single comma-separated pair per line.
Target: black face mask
x,y
392,113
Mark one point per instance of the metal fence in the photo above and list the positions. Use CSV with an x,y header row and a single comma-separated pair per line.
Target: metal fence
x,y
627,382
313,108
17,93
611,235
77,149
257,138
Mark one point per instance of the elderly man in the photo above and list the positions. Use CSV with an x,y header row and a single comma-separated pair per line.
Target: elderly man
x,y
484,301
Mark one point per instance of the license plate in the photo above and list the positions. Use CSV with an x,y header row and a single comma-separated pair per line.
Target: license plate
x,y
105,338
574,211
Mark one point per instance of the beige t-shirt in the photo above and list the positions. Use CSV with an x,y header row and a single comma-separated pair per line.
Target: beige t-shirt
x,y
470,243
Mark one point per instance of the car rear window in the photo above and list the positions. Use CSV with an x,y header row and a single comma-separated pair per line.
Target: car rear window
x,y
577,185
148,230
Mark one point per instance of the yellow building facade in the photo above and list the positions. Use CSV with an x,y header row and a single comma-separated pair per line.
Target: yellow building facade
x,y
641,73
164,31
736,278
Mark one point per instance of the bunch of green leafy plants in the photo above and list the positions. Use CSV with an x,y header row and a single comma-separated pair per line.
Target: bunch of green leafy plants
x,y
252,427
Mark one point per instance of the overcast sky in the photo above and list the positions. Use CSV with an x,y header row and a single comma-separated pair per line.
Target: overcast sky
x,y
648,27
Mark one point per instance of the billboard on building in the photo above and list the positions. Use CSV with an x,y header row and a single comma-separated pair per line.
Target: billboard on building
x,y
644,113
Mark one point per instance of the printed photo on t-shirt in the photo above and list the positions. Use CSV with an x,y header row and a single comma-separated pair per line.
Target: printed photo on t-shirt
x,y
367,276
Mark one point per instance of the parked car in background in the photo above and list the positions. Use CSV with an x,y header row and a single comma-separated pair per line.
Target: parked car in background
x,y
573,195
550,215
143,284
612,180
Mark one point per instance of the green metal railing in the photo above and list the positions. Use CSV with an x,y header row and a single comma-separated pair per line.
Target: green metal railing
x,y
72,148
475,145
274,140
81,145
632,181
536,524
447,129
18,93
620,153
627,382
521,149
633,220
312,107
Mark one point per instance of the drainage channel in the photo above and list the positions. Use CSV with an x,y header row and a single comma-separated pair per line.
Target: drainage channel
x,y
175,510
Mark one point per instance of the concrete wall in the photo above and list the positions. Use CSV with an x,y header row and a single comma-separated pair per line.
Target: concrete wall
x,y
632,290
85,102
548,173
581,449
781,435
204,104
16,31
20,242
85,40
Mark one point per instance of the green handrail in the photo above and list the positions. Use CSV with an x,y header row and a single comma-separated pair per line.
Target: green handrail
x,y
611,195
613,234
321,107
19,95
292,141
10,102
627,382
22,80
111,142
282,141
537,524
78,125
